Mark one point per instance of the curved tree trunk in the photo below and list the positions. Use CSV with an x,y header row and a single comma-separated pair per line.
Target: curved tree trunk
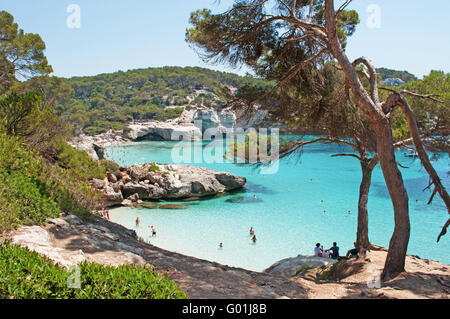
x,y
395,261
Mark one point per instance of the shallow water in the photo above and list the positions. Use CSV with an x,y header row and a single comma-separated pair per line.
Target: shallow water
x,y
288,216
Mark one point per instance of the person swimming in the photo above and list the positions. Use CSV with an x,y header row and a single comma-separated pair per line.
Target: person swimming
x,y
220,245
252,231
137,222
254,238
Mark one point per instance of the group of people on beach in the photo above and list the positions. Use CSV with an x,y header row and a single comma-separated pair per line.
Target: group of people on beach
x,y
138,222
333,252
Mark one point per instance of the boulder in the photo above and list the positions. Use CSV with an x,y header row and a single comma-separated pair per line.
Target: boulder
x,y
112,197
134,197
130,189
230,181
138,172
111,177
126,179
290,267
98,183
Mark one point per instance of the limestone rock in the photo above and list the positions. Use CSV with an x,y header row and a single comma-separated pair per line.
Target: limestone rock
x,y
112,197
290,267
111,178
170,182
97,183
138,172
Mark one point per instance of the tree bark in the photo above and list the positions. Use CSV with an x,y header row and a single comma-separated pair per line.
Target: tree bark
x,y
395,260
362,235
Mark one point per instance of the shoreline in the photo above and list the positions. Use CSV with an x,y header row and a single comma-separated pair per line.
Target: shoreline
x,y
69,240
206,258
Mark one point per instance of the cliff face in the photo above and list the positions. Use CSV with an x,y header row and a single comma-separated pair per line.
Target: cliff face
x,y
157,181
192,124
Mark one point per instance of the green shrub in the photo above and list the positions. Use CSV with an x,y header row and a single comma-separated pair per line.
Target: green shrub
x,y
154,168
32,190
78,162
329,274
27,275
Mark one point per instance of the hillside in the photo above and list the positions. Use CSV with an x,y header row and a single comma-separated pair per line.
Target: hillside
x,y
392,74
110,100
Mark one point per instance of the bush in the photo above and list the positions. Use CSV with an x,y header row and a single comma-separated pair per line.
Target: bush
x,y
31,190
154,168
24,197
27,275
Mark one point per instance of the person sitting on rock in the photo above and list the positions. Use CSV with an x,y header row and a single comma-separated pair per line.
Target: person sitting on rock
x,y
318,251
352,252
335,250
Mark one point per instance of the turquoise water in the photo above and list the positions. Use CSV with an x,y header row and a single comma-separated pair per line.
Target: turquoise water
x,y
288,215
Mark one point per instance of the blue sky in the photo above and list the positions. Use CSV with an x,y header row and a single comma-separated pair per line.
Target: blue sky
x,y
121,35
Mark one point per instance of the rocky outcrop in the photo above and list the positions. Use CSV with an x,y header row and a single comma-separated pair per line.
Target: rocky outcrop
x,y
193,123
158,181
290,267
94,145
163,131
189,126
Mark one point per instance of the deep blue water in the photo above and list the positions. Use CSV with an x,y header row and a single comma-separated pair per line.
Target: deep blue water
x,y
288,215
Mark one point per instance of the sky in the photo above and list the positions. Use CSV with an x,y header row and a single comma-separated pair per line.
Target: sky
x,y
117,35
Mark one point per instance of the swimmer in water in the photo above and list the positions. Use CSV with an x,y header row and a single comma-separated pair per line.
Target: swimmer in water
x,y
137,222
220,245
252,231
254,238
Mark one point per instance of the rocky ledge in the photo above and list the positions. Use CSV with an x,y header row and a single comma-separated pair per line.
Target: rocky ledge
x,y
291,267
152,181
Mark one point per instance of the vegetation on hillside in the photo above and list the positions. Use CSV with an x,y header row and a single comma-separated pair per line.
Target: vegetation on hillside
x,y
96,104
27,275
385,73
42,176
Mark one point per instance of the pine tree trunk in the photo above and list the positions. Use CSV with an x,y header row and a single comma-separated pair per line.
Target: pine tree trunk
x,y
395,261
362,235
